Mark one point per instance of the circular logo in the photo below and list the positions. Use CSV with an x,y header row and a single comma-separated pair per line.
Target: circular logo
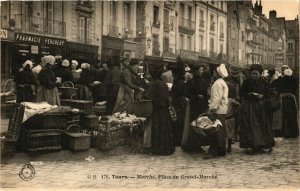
x,y
27,172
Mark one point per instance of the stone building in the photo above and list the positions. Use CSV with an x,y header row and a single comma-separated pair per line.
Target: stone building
x,y
292,51
38,28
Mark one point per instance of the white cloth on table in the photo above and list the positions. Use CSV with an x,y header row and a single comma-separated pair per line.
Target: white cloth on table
x,y
32,109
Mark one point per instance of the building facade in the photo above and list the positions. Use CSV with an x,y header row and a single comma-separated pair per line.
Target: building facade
x,y
292,51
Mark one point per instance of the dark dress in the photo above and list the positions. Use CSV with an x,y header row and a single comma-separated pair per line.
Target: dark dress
x,y
195,87
111,83
179,101
66,74
24,81
256,131
162,135
47,90
287,87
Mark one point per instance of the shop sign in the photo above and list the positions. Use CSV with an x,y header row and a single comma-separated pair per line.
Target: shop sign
x,y
189,55
3,33
41,40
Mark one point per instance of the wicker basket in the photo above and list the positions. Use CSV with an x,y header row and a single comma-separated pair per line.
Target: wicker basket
x,y
40,140
89,122
7,110
75,140
15,122
111,135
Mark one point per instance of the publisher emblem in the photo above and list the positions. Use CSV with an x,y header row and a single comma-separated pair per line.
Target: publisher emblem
x,y
27,172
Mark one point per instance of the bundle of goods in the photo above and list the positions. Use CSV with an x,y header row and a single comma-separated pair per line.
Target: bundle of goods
x,y
8,142
57,118
86,106
74,140
117,129
204,125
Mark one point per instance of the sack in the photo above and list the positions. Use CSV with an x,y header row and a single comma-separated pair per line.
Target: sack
x,y
274,102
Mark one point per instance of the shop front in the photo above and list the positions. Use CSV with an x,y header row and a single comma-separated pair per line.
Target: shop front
x,y
191,58
82,52
33,47
112,49
7,53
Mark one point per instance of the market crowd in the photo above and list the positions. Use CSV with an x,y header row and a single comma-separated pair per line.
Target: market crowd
x,y
254,105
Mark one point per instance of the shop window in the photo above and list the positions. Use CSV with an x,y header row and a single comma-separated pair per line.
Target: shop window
x,y
84,30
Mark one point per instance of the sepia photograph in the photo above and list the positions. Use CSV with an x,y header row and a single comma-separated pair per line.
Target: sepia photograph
x,y
149,95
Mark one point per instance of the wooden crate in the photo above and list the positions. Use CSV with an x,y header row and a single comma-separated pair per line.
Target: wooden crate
x,y
76,141
86,106
39,140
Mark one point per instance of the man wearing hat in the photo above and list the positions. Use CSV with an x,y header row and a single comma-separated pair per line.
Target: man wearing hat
x,y
129,86
218,106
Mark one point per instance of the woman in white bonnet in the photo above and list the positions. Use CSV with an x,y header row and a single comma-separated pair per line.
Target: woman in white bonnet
x,y
75,72
25,83
218,106
48,91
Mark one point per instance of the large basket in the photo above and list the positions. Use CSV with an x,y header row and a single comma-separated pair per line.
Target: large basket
x,y
8,147
40,140
204,126
143,108
111,136
75,140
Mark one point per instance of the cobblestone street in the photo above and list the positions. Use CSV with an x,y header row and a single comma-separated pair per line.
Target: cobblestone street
x,y
278,170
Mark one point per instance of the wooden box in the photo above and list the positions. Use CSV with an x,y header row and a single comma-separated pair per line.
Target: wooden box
x,y
77,141
86,106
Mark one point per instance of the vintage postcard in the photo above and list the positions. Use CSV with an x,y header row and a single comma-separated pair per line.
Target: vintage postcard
x,y
149,95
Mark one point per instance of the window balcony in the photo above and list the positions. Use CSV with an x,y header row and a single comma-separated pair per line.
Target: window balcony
x,y
222,57
203,53
186,23
156,24
39,25
166,27
128,33
213,54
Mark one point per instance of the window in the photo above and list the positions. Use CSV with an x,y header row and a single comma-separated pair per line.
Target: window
x,y
190,13
290,47
181,41
201,18
155,47
127,16
201,42
233,54
166,44
156,16
243,36
166,20
290,61
113,12
222,5
189,41
221,30
85,2
211,48
48,14
212,23
181,10
291,32
84,29
221,48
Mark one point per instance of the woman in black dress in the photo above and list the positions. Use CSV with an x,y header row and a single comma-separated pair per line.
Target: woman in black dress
x,y
26,83
162,135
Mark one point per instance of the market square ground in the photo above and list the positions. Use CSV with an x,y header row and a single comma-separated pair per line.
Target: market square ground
x,y
121,168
